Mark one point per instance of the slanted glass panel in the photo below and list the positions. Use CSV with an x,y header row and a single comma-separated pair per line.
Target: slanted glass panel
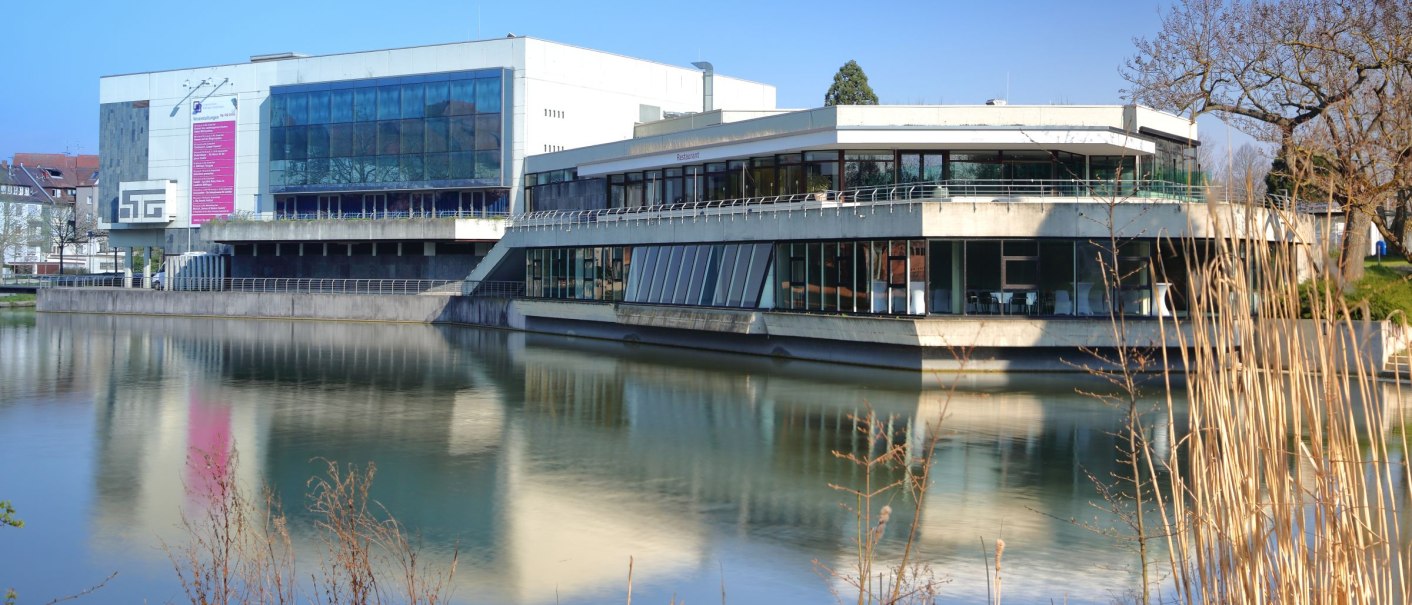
x,y
661,255
673,274
739,274
696,272
684,272
755,275
713,273
635,268
727,273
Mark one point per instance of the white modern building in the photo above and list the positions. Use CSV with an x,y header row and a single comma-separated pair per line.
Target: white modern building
x,y
434,137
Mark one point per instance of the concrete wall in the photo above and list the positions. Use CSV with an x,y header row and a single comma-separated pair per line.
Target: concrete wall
x,y
343,230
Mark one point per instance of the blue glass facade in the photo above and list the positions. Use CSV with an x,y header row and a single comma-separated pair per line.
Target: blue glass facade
x,y
428,131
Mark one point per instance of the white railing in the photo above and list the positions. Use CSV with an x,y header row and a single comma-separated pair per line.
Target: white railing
x,y
262,217
871,197
279,284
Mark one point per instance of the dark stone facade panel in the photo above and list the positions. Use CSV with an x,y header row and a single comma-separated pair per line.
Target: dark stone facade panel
x,y
122,151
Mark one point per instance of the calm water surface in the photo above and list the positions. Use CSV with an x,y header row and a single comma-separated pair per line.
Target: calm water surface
x,y
549,460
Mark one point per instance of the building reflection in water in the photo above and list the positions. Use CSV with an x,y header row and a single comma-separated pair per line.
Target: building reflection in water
x,y
549,460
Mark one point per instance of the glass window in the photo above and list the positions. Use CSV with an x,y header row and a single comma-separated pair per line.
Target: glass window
x,y
317,141
297,142
277,145
488,95
365,139
318,107
414,99
437,166
725,276
740,275
435,130
684,271
462,165
829,285
297,109
487,165
389,137
659,273
463,133
365,104
488,131
867,169
389,102
278,115
698,275
340,140
437,96
755,276
463,98
412,167
639,257
413,136
340,106
712,275
674,266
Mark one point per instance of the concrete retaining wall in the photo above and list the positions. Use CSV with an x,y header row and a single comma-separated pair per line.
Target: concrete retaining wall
x,y
277,305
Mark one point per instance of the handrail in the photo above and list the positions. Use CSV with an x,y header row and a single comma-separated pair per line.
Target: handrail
x,y
906,193
263,217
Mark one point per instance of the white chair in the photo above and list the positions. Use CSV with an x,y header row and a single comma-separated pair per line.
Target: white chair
x,y
1062,304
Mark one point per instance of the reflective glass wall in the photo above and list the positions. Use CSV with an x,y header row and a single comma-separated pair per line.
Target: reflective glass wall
x,y
1026,277
425,131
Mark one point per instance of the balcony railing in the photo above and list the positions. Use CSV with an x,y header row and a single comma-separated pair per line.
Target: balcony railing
x,y
1007,190
278,284
258,217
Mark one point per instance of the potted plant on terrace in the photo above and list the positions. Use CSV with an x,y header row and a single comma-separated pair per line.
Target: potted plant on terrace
x,y
819,186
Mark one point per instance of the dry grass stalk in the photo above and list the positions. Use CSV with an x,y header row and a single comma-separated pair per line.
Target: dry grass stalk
x,y
904,581
1290,488
238,550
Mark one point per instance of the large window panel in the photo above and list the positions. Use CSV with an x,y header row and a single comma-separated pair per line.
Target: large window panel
x,y
413,136
296,107
318,107
755,275
698,275
684,275
389,137
488,95
713,275
724,277
488,132
365,104
740,274
389,102
413,101
340,106
438,94
673,274
463,133
437,140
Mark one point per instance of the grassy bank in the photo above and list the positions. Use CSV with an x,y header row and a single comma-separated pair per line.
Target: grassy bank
x,y
1385,291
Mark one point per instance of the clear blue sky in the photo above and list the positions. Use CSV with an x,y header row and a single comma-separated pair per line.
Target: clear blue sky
x,y
922,51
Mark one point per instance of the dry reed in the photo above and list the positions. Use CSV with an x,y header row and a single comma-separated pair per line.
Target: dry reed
x,y
1288,486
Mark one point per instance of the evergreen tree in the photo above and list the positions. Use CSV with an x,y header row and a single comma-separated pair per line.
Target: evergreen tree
x,y
850,87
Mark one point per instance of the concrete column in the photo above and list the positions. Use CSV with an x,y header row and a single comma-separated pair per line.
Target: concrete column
x,y
147,267
127,267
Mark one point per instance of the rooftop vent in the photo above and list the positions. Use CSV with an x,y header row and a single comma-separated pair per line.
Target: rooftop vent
x,y
276,57
995,102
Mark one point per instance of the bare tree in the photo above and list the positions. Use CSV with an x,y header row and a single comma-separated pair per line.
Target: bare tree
x,y
1326,82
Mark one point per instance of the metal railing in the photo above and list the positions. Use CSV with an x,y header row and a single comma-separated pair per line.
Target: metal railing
x,y
908,193
509,289
258,217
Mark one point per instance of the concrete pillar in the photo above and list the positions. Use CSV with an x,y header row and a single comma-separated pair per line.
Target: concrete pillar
x,y
147,267
127,267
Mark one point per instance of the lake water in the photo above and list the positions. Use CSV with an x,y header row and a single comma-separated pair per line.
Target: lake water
x,y
549,460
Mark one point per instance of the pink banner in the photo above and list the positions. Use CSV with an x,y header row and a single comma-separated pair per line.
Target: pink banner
x,y
212,167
